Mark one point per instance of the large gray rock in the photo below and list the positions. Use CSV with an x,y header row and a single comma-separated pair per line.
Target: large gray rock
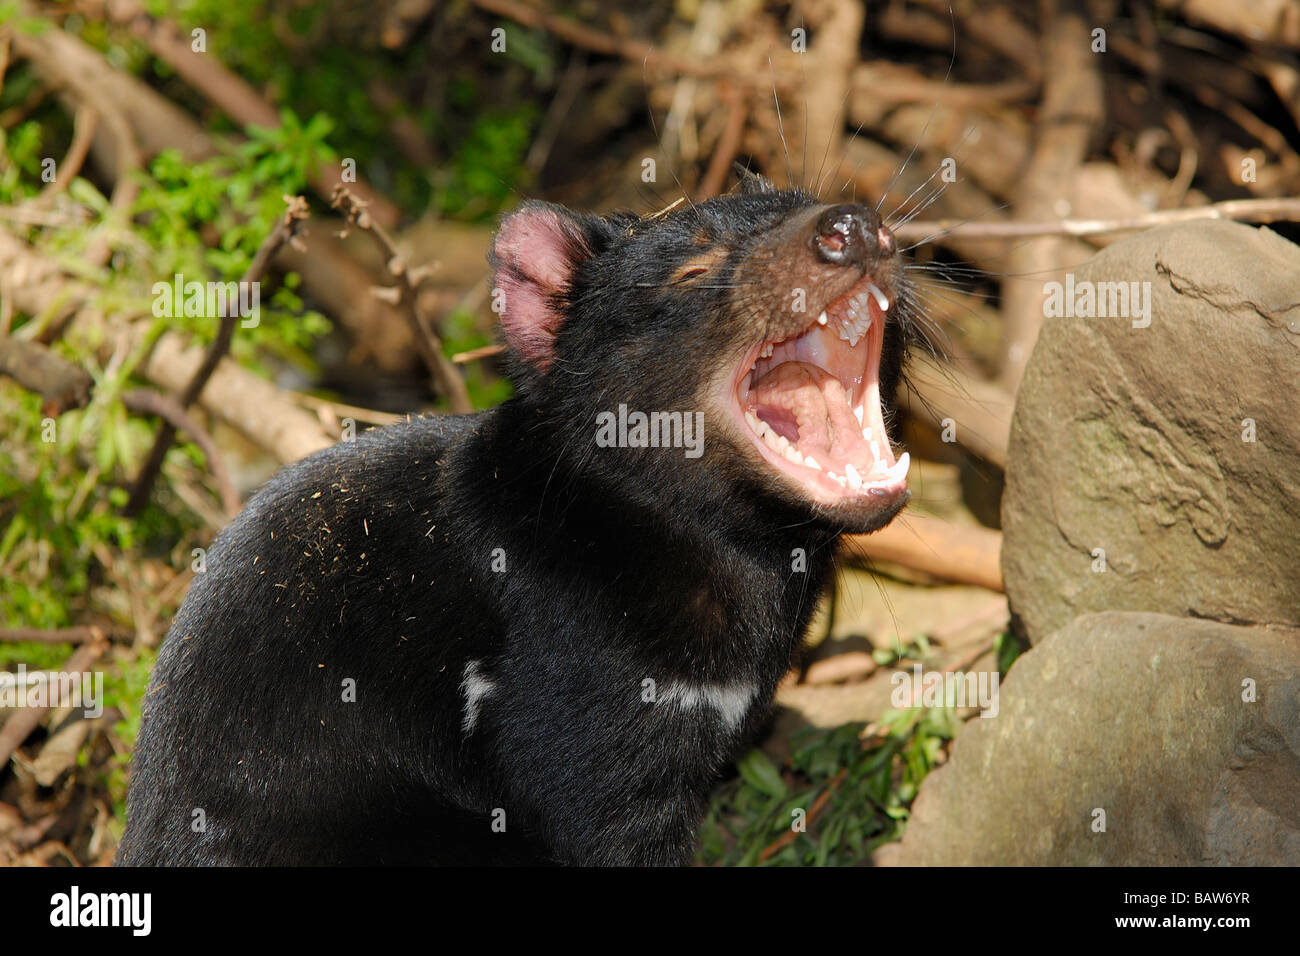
x,y
1140,716
1130,440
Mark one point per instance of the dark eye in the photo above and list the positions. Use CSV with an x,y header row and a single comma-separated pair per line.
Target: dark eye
x,y
690,272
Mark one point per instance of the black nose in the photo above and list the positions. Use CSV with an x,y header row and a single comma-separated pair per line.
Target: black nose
x,y
848,235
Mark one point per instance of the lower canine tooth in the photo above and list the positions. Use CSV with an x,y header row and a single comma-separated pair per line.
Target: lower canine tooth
x,y
881,299
855,480
821,319
811,462
857,412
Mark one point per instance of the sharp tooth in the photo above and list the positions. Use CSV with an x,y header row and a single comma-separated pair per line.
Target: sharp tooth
x,y
866,432
811,462
821,319
753,421
875,451
901,466
881,299
857,412
855,480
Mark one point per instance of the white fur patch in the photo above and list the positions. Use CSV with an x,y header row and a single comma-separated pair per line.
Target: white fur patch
x,y
474,685
731,701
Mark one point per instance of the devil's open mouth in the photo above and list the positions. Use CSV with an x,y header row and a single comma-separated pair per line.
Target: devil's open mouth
x,y
811,403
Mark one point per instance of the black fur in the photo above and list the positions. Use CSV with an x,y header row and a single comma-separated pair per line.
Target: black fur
x,y
374,561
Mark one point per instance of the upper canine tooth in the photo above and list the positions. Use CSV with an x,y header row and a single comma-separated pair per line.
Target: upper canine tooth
x,y
881,299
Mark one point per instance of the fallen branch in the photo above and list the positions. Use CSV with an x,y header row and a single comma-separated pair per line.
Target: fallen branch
x,y
27,719
961,553
841,668
284,232
58,635
1071,113
63,385
449,382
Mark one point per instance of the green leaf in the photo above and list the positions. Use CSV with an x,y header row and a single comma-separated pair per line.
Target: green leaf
x,y
760,774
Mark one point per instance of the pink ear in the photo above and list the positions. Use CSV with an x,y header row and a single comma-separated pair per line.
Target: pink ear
x,y
535,253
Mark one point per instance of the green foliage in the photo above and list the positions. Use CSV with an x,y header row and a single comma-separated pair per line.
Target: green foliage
x,y
863,788
479,180
124,690
1007,649
60,499
917,649
239,193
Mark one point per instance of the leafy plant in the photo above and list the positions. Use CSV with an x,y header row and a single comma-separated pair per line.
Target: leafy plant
x,y
844,792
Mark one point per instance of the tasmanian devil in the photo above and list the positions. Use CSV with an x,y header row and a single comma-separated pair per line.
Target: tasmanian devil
x,y
539,633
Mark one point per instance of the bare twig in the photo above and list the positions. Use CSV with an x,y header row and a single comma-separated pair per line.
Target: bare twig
x,y
251,405
444,373
148,402
57,635
483,351
84,134
823,798
727,146
1242,210
284,231
340,410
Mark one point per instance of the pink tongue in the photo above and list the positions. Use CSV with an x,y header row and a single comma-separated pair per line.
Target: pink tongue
x,y
808,406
